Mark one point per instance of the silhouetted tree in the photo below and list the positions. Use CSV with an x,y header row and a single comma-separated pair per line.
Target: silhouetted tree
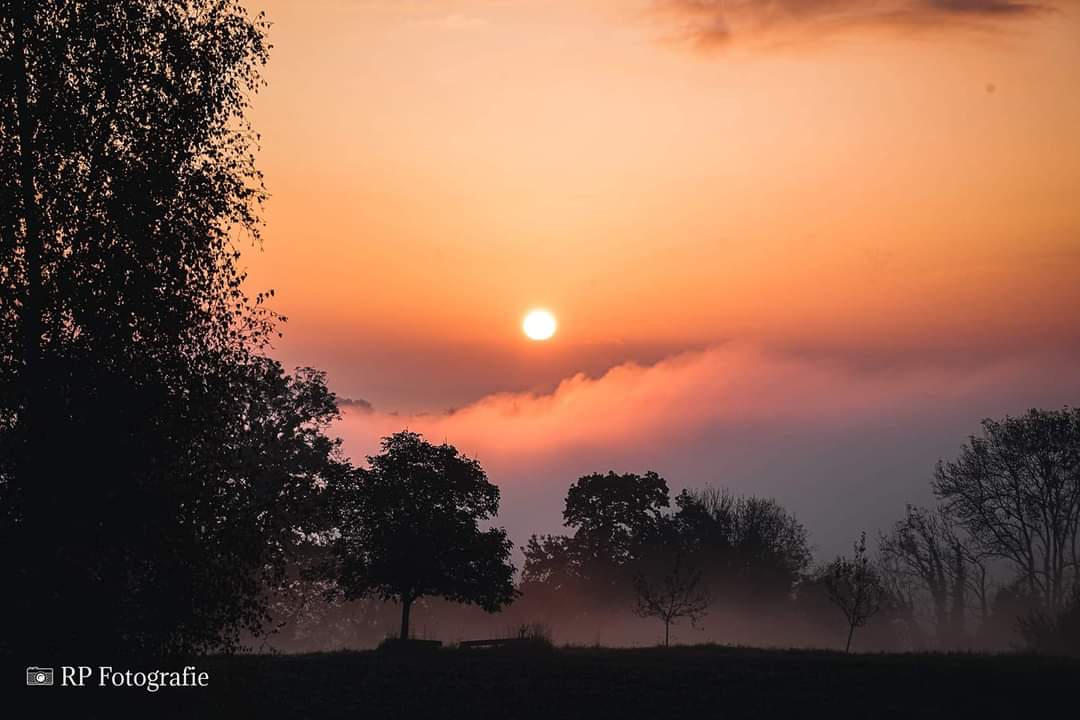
x,y
855,588
668,585
927,548
156,470
751,548
408,528
551,560
608,512
1016,492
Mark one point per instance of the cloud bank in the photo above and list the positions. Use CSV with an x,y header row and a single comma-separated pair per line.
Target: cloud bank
x,y
844,447
632,403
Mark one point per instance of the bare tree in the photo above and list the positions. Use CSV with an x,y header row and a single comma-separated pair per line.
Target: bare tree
x,y
1016,491
677,593
928,549
855,587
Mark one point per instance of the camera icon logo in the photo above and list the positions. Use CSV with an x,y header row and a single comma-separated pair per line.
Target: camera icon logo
x,y
39,676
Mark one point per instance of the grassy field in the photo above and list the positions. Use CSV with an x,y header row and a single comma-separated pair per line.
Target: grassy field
x,y
702,681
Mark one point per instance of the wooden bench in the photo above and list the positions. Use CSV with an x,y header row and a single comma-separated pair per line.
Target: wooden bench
x,y
410,645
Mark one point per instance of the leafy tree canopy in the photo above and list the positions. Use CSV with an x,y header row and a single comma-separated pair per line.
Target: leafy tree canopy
x,y
409,527
610,511
156,469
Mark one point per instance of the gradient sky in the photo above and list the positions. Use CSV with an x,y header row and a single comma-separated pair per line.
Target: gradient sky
x,y
796,247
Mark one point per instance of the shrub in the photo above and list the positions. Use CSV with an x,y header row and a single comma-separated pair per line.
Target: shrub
x,y
1051,634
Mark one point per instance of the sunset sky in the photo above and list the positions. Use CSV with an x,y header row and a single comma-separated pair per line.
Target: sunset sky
x,y
795,247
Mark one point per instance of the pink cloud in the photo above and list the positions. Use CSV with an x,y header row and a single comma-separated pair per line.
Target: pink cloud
x,y
729,385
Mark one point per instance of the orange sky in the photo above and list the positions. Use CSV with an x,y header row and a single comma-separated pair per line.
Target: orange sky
x,y
438,167
885,201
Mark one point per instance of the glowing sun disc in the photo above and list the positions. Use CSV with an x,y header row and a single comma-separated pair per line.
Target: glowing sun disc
x,y
539,325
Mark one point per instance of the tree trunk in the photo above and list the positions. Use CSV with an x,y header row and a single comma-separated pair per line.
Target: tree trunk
x,y
667,633
406,607
33,249
851,631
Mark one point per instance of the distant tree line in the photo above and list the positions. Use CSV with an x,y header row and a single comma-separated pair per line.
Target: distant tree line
x,y
713,549
994,564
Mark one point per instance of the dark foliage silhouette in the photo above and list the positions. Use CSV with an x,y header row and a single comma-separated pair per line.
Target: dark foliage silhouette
x,y
157,471
753,550
610,512
553,561
408,528
589,573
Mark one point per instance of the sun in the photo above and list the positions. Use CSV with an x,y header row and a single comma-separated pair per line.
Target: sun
x,y
539,325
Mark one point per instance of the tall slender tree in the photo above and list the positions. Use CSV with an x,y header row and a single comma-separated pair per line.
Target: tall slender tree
x,y
156,467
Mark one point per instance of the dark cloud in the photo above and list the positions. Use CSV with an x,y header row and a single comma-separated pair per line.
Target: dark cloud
x,y
355,404
718,22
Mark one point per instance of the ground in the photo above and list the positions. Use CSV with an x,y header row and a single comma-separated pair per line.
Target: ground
x,y
682,682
